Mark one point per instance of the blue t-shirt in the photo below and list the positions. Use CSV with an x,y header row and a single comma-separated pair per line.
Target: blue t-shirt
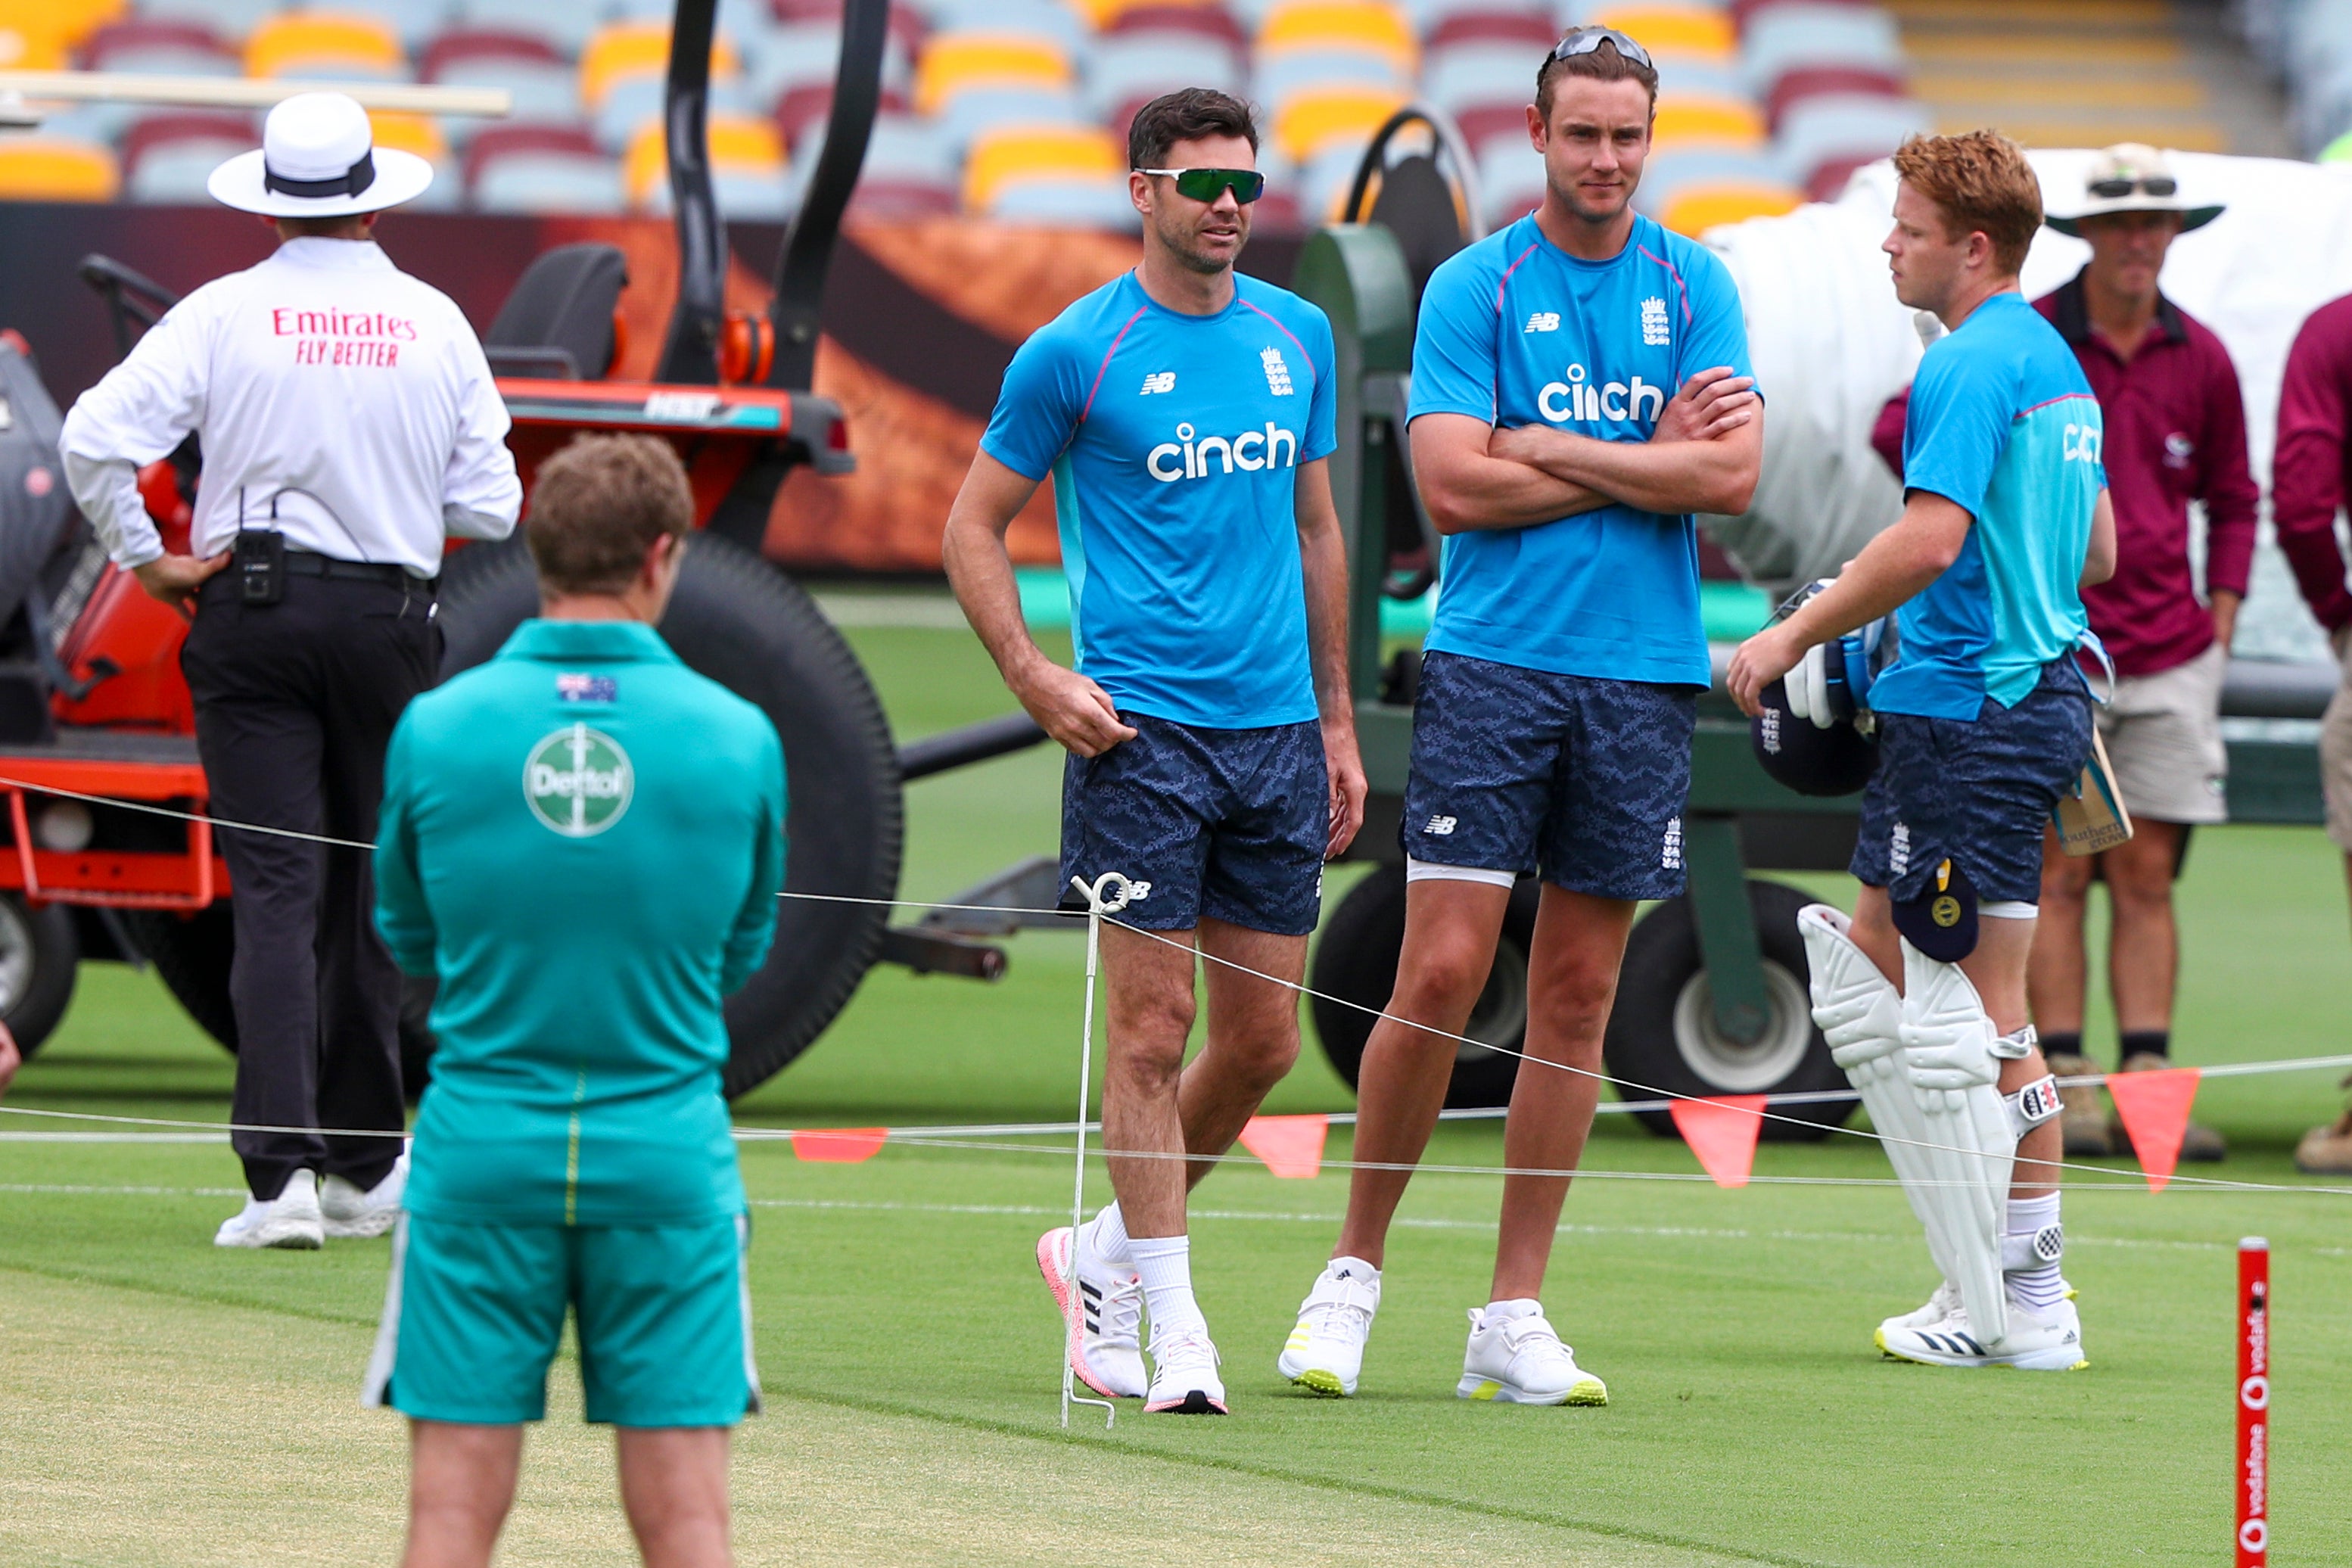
x,y
1516,331
2003,424
1174,441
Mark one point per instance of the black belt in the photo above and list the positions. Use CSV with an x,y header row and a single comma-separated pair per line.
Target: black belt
x,y
310,563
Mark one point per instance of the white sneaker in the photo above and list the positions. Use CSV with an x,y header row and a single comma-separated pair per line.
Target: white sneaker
x,y
351,1214
289,1219
2046,1341
1102,1312
1184,1380
1934,1310
1521,1361
1327,1348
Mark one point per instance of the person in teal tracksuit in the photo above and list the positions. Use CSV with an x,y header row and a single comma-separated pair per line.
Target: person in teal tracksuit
x,y
583,840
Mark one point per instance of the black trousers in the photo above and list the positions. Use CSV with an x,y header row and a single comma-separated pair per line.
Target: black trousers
x,y
295,706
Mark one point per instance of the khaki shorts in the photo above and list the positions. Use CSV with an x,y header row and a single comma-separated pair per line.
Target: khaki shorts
x,y
2164,739
2336,755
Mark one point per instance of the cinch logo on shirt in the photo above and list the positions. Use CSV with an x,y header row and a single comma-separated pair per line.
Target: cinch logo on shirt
x,y
577,780
1275,449
1577,398
2082,443
1278,372
1544,321
1162,381
1653,322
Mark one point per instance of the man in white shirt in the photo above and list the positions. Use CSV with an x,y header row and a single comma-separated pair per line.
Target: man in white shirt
x,y
349,422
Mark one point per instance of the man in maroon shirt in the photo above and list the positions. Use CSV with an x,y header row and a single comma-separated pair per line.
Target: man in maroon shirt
x,y
2176,431
2308,482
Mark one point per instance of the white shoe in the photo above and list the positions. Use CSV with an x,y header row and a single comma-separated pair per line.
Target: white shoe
x,y
1521,1361
2046,1341
1184,1380
1934,1310
351,1214
289,1219
1102,1313
1327,1348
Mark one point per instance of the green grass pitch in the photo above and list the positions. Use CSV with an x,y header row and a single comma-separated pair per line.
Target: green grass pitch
x,y
165,1403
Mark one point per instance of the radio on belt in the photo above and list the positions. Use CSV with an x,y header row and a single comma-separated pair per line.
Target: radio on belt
x,y
261,559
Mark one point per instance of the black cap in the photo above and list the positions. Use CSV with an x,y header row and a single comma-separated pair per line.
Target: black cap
x,y
1805,757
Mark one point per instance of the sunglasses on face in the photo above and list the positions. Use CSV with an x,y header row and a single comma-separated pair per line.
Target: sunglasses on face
x,y
1584,40
1208,185
2125,185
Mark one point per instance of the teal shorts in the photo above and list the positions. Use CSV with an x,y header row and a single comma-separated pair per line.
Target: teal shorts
x,y
475,1312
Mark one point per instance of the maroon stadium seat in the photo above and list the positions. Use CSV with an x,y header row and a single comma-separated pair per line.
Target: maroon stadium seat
x,y
1487,121
905,22
1198,21
153,39
901,197
1534,28
156,131
497,140
1813,81
1824,183
468,45
1742,10
802,112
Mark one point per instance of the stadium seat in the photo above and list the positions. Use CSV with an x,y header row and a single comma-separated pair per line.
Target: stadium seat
x,y
545,90
1813,34
541,169
1121,68
1190,21
1822,82
1718,122
232,20
46,169
1096,202
954,63
624,77
1672,30
1311,122
1819,130
325,44
1497,122
1510,182
802,112
421,134
566,28
1532,32
1702,206
799,55
907,25
1281,77
168,157
1365,25
1670,171
54,29
1829,180
1010,154
748,177
982,109
1470,75
414,22
160,47
1048,19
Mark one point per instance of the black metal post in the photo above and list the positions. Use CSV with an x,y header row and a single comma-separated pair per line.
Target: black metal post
x,y
808,247
690,351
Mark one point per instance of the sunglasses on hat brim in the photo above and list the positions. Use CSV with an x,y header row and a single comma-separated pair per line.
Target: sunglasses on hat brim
x,y
2122,185
1208,185
1585,40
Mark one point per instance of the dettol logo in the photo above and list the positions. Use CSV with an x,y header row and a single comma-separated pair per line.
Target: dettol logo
x,y
577,780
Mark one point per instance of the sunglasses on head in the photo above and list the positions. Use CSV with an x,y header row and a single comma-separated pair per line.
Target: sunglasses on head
x,y
2125,185
1584,40
1208,185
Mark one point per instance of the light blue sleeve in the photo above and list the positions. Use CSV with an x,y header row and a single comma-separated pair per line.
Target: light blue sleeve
x,y
1957,427
1454,346
1322,437
1037,407
402,913
1717,332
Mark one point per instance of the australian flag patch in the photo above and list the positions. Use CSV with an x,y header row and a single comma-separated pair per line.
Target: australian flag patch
x,y
587,688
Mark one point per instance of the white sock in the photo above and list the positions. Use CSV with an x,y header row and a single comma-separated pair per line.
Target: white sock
x,y
1105,1240
1518,1306
2038,1287
1352,1268
1165,1263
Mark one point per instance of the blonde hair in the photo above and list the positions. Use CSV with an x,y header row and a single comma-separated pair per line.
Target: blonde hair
x,y
1982,184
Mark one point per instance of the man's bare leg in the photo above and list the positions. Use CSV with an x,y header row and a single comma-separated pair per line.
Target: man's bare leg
x,y
1450,930
1253,1036
461,1481
1149,1012
2057,976
674,1488
1580,942
2144,955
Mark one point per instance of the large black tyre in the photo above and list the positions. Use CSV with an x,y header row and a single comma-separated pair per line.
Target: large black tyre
x,y
1662,1034
191,955
1356,959
740,621
39,951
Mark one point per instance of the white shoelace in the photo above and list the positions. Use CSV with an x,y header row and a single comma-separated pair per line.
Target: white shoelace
x,y
1178,1345
1121,1314
1350,1310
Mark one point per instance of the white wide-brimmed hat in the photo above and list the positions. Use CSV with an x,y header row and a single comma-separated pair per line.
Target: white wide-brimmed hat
x,y
2132,177
317,158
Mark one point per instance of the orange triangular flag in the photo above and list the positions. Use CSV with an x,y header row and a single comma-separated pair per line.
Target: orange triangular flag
x,y
1722,1133
843,1145
2155,1110
1290,1145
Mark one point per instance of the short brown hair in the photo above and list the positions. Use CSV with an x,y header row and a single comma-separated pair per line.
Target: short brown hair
x,y
1185,116
596,507
1601,63
1982,184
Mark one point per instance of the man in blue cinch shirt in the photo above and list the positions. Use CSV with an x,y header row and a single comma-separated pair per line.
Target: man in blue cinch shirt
x,y
1579,387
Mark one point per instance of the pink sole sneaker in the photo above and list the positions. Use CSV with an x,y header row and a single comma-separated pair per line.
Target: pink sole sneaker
x,y
1056,1263
1193,1404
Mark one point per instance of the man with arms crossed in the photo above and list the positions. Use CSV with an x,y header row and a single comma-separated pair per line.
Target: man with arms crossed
x,y
1185,413
584,840
1984,720
1553,729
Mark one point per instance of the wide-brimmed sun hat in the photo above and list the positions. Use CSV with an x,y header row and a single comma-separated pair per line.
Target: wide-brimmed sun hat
x,y
2132,177
317,158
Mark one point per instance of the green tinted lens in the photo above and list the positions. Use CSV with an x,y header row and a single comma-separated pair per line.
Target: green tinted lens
x,y
1208,185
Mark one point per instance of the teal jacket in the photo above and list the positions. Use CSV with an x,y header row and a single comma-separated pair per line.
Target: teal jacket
x,y
584,840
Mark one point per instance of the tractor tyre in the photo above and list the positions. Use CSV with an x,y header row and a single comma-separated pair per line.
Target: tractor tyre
x,y
39,948
1355,969
739,620
1662,1036
191,955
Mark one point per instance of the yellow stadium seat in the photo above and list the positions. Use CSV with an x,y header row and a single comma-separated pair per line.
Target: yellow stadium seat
x,y
1101,14
1726,122
34,170
1318,116
31,50
1365,25
737,141
65,23
300,40
417,134
1702,207
639,49
1674,29
1009,154
959,60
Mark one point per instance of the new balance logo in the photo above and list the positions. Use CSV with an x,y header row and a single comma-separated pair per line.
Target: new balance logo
x,y
1278,372
1670,853
1653,322
1441,827
1162,381
1544,321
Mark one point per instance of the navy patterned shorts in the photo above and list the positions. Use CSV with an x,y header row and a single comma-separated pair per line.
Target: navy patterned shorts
x,y
1521,769
1975,793
1230,823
